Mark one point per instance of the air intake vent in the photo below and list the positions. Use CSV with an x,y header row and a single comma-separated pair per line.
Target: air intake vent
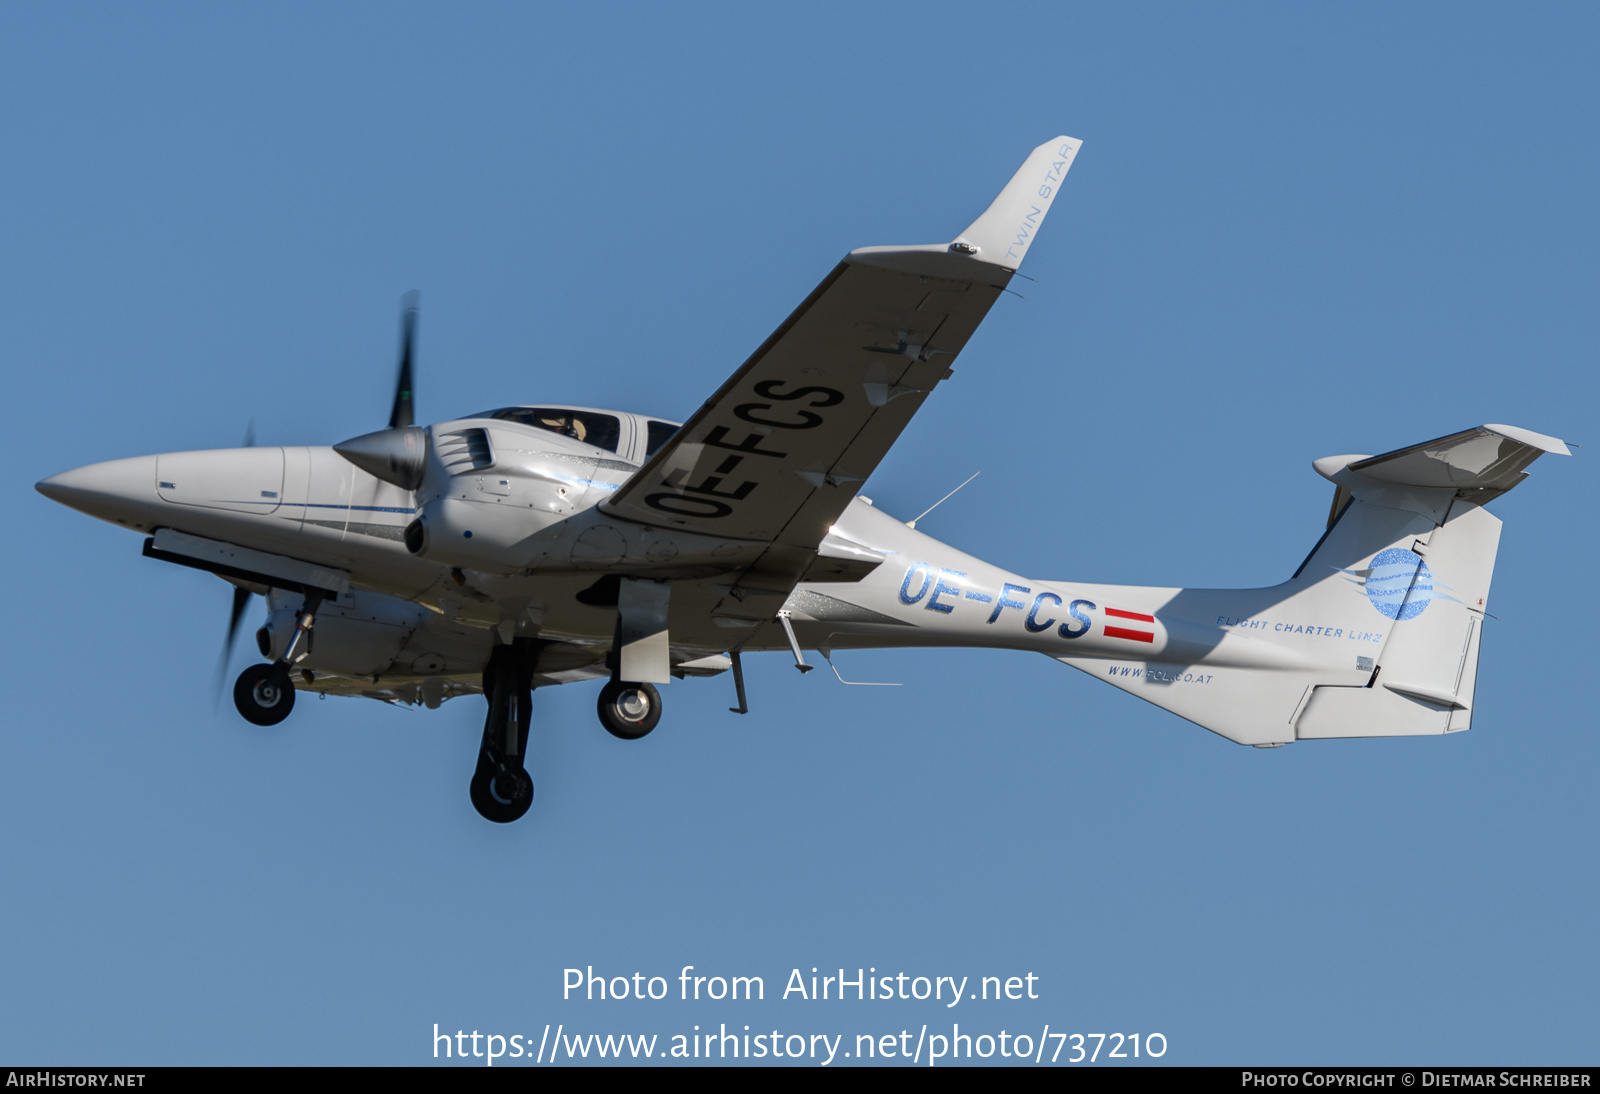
x,y
465,450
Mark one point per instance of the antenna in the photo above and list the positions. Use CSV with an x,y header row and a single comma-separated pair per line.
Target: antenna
x,y
912,523
827,655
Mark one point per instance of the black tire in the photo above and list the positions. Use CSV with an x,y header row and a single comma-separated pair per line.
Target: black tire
x,y
629,711
498,803
264,694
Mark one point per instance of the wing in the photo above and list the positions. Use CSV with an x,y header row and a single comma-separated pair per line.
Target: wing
x,y
778,452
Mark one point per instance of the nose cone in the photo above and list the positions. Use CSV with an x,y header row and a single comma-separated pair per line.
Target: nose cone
x,y
117,490
397,455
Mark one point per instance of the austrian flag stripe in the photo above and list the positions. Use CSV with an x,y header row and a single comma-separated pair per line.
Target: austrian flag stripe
x,y
1126,632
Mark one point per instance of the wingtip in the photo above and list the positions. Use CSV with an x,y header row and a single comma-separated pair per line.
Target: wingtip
x,y
1005,231
1552,445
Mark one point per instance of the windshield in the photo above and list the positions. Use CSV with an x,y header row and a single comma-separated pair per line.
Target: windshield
x,y
600,430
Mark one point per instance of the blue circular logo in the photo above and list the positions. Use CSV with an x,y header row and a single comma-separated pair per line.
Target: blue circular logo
x,y
1399,584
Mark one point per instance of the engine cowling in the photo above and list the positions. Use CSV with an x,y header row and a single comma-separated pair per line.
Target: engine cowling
x,y
356,639
493,539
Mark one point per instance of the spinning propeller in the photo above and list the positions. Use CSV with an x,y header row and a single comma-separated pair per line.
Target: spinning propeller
x,y
241,600
401,416
399,454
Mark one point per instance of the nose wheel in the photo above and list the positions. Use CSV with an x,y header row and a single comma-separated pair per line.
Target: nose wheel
x,y
263,694
501,794
629,711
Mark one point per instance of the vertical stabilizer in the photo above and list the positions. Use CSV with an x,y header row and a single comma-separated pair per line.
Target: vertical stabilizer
x,y
1425,673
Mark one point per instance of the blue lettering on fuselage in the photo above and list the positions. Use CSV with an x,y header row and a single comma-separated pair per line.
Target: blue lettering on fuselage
x,y
1278,626
1160,675
944,587
1032,622
943,591
1005,600
906,596
1066,630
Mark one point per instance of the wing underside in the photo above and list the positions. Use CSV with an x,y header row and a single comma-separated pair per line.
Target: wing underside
x,y
779,451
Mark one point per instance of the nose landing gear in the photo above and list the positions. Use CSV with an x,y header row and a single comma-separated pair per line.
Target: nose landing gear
x,y
500,794
264,694
501,790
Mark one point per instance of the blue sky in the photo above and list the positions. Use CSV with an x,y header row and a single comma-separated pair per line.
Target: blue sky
x,y
1293,231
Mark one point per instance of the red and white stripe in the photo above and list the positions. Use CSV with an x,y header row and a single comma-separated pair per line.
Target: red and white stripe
x,y
1128,632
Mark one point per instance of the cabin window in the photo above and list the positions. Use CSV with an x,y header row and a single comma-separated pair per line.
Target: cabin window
x,y
659,434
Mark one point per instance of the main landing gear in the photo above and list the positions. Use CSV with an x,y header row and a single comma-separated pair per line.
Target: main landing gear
x,y
501,789
629,711
264,694
629,705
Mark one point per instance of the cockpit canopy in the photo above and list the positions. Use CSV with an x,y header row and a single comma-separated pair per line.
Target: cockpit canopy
x,y
602,429
588,426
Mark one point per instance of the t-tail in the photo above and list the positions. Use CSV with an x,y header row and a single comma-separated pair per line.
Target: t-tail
x,y
1377,634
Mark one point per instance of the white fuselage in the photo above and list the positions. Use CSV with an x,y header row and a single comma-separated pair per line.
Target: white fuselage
x,y
308,503
517,542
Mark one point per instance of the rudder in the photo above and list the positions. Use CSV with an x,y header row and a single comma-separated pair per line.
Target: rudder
x,y
1424,677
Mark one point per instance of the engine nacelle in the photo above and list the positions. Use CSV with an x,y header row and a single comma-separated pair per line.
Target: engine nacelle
x,y
489,538
358,639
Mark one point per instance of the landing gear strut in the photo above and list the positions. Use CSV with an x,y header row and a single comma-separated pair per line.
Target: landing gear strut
x,y
264,694
629,705
501,789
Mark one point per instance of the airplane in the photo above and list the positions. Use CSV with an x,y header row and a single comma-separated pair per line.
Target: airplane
x,y
529,546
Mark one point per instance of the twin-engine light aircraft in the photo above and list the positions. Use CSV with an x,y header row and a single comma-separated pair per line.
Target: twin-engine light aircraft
x,y
536,545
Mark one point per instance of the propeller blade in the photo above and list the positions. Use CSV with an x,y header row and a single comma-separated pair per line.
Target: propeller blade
x,y
241,601
402,414
250,435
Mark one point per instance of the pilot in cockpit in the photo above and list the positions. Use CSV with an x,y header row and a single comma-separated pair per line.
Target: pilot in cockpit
x,y
564,424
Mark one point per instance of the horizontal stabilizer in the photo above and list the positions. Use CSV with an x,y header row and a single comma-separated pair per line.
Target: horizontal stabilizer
x,y
1477,464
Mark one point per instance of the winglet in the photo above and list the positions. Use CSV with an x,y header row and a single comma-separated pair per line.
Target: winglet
x,y
1007,228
